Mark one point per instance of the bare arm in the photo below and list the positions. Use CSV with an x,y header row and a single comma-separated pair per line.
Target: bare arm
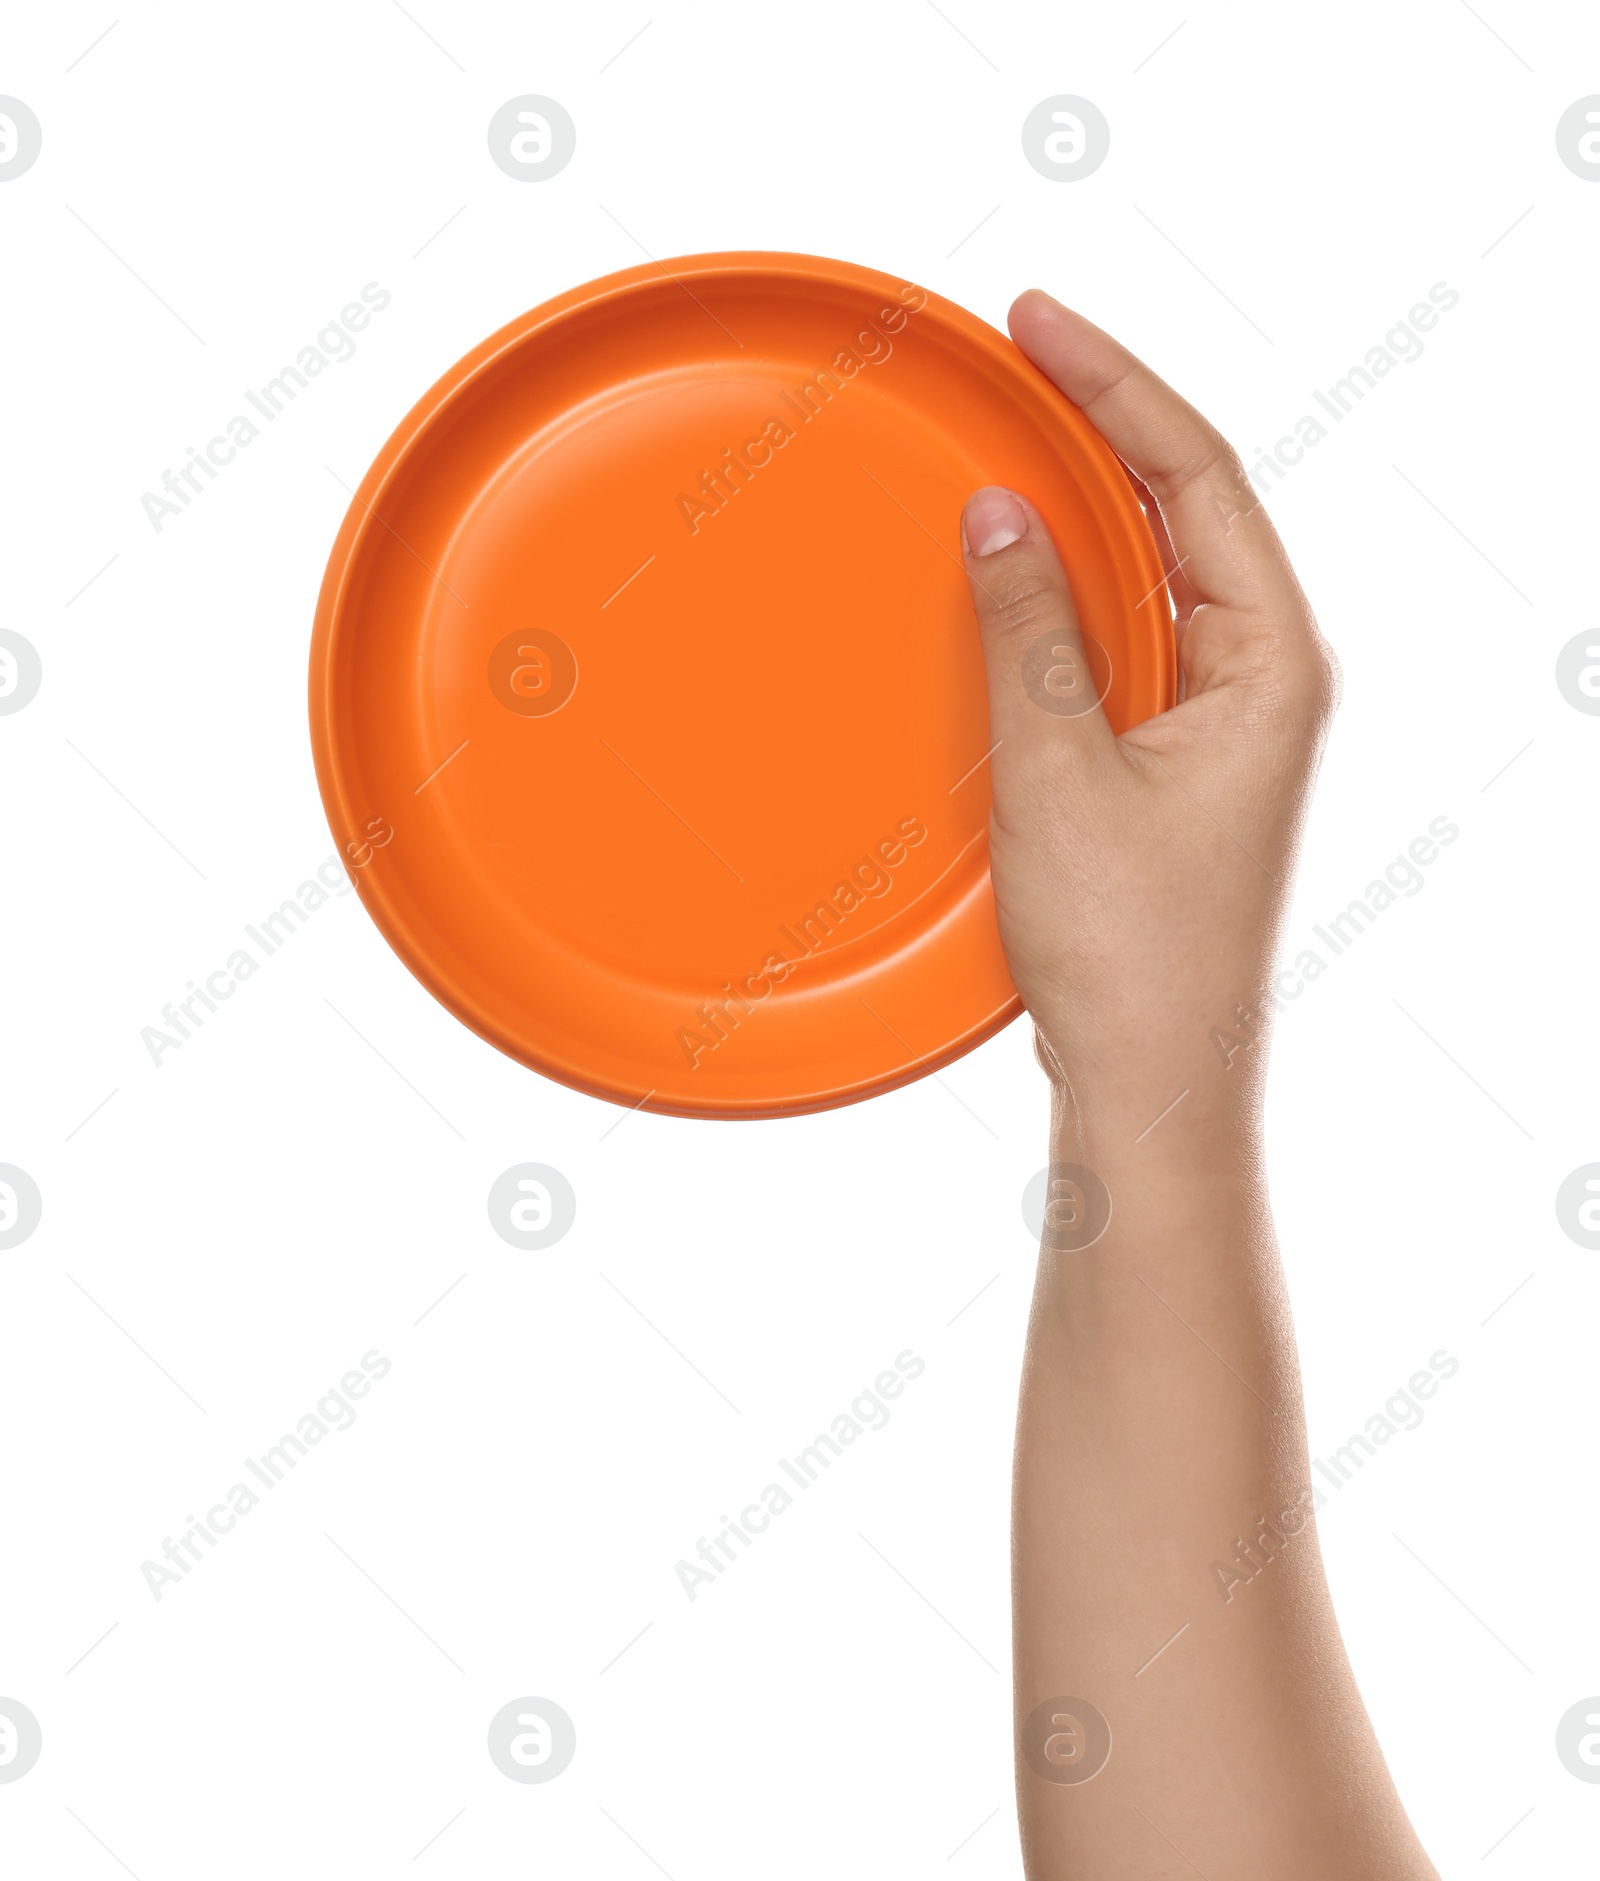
x,y
1162,1484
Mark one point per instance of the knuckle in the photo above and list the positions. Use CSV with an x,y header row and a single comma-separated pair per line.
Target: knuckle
x,y
1210,459
1334,680
1218,459
1025,605
1303,676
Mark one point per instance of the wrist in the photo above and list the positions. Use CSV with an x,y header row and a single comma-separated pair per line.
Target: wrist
x,y
1171,1172
1146,1123
1158,1074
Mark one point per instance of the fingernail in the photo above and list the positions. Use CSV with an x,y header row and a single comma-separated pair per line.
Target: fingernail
x,y
993,519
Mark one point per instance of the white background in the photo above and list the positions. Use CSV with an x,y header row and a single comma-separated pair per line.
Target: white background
x,y
275,1200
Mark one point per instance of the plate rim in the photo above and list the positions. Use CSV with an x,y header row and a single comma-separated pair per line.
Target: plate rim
x,y
360,519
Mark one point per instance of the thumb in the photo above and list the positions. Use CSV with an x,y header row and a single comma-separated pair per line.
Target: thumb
x,y
1045,684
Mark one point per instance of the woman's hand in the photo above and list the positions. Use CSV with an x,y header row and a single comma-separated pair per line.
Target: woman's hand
x,y
1141,881
1183,1701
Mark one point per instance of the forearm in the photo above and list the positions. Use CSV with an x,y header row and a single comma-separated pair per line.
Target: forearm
x,y
1163,1507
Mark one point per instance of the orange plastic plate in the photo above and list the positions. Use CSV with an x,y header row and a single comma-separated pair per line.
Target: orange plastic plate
x,y
647,702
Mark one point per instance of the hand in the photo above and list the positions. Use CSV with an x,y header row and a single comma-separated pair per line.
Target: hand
x,y
1141,881
1141,884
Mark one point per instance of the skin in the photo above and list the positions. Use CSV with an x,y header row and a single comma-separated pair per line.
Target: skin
x,y
1141,884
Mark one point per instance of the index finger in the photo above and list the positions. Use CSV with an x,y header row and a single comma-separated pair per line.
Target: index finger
x,y
1225,545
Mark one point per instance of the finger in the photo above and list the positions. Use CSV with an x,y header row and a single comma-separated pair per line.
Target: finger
x,y
1225,546
1184,598
1045,686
